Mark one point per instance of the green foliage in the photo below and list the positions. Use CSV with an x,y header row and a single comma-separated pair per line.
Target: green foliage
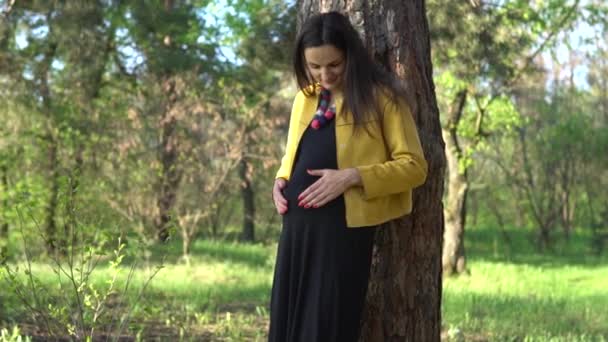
x,y
77,302
449,85
478,49
112,86
168,37
13,335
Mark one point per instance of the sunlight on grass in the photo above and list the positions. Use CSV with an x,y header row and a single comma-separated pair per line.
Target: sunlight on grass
x,y
224,293
528,298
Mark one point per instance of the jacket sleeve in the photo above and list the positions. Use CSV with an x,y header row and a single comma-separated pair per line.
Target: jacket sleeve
x,y
290,148
406,168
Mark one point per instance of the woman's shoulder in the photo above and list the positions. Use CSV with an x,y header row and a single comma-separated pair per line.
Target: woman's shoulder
x,y
391,100
385,94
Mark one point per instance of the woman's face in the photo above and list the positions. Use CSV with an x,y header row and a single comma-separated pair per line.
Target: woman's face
x,y
326,65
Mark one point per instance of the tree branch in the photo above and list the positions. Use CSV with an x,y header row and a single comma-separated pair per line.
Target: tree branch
x,y
530,58
9,7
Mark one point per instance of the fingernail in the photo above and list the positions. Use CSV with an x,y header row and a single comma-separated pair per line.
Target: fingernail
x,y
315,206
307,206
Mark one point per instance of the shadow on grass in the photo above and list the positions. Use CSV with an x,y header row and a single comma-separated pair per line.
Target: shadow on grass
x,y
167,314
210,298
250,255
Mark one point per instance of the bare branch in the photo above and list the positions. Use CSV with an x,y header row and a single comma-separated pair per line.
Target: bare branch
x,y
528,60
9,7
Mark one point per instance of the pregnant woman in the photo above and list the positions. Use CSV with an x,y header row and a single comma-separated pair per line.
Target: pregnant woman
x,y
352,158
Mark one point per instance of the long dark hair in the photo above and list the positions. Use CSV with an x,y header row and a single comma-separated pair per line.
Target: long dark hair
x,y
363,78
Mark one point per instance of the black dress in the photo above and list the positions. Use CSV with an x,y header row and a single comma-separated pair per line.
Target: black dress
x,y
322,267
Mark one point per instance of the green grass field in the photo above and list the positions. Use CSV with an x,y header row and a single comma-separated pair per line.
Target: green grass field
x,y
511,294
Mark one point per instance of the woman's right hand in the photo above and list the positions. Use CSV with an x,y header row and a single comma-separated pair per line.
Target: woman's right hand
x,y
279,200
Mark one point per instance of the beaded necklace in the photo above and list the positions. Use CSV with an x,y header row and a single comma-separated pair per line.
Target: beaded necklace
x,y
324,113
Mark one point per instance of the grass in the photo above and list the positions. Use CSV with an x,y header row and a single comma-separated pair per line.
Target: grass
x,y
511,294
514,293
503,301
222,293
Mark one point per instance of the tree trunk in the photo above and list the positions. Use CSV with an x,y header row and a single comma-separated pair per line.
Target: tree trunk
x,y
4,180
50,226
248,202
69,236
95,48
168,152
168,155
186,245
404,294
453,257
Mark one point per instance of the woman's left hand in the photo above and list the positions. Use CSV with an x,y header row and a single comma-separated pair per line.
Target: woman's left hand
x,y
332,184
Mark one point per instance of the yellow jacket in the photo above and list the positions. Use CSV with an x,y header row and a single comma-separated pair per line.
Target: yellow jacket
x,y
390,167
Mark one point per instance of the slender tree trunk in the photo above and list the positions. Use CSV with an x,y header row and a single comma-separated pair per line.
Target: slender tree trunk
x,y
6,32
4,180
404,294
95,48
186,244
168,153
501,223
567,204
540,195
170,176
69,236
248,202
50,226
453,260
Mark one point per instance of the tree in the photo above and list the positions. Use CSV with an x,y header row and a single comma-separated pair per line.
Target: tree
x,y
262,31
595,172
404,294
477,64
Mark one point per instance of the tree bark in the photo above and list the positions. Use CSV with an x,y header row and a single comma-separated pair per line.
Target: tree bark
x,y
453,259
168,152
4,180
95,48
69,236
248,202
168,155
404,295
50,225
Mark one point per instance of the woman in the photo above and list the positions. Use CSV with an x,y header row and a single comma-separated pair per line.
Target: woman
x,y
352,159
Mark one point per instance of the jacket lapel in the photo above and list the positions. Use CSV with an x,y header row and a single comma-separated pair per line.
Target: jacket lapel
x,y
309,109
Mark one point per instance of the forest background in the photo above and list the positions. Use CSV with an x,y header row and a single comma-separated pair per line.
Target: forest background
x,y
139,142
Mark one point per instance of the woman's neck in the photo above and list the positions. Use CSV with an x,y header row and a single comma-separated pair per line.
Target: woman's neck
x,y
337,93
